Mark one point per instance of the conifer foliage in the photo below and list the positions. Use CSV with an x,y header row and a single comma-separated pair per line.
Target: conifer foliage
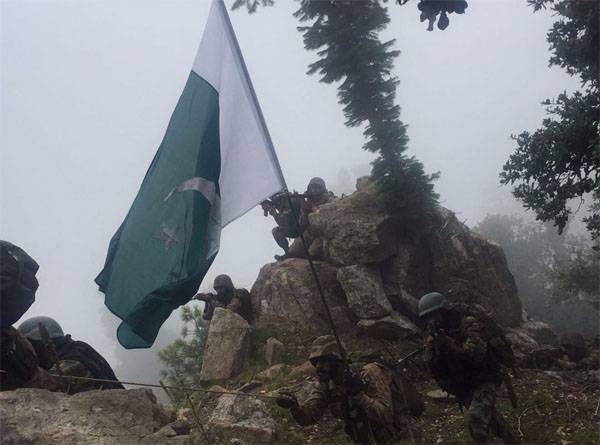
x,y
345,35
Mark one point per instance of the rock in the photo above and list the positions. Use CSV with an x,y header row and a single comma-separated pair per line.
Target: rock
x,y
285,295
250,386
238,417
356,229
521,340
405,304
541,332
344,319
274,350
304,370
440,396
227,348
466,268
117,416
364,291
391,327
574,346
272,372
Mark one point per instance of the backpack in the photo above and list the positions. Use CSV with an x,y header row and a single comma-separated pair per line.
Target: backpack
x,y
499,345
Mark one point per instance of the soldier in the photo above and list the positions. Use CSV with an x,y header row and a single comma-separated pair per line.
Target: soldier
x,y
316,195
466,352
236,300
278,206
18,286
62,356
364,400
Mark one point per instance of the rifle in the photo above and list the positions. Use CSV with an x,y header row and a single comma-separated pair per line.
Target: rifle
x,y
204,296
409,356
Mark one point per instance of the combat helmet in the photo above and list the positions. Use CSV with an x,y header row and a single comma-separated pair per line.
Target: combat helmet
x,y
432,302
18,283
223,281
324,346
30,328
318,182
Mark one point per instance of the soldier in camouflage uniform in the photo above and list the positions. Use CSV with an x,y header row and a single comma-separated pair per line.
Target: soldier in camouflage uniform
x,y
363,399
228,297
278,206
317,195
463,361
62,356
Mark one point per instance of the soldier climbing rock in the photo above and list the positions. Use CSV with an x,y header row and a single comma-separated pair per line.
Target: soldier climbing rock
x,y
228,297
467,353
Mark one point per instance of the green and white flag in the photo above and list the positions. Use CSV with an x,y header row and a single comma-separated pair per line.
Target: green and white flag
x,y
215,163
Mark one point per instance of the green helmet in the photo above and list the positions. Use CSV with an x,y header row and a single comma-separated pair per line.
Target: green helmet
x,y
317,183
324,346
30,328
223,281
432,302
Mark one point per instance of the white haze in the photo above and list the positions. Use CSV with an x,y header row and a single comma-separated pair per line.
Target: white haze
x,y
87,89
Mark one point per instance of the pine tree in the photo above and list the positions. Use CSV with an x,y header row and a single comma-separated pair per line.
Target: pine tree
x,y
346,36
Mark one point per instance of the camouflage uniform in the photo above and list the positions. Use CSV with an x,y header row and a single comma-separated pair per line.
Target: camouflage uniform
x,y
373,407
365,398
462,363
59,356
314,243
279,207
240,303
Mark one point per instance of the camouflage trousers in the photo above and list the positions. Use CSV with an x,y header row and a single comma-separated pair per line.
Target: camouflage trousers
x,y
483,418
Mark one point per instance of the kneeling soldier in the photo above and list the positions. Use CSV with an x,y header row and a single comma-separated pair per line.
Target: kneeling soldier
x,y
364,400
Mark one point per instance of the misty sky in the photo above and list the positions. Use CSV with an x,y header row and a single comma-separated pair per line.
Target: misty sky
x,y
87,89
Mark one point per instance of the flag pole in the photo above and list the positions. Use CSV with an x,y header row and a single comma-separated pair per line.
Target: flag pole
x,y
263,123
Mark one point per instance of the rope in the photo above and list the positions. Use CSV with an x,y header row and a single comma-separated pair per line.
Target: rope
x,y
180,388
317,281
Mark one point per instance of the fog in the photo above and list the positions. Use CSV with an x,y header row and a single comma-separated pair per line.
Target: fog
x,y
87,89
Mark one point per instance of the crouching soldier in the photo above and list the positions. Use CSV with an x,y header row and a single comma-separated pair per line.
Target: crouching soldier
x,y
62,357
467,352
228,297
364,399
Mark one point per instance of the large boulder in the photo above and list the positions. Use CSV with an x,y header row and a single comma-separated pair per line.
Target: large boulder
x,y
274,351
116,416
356,228
285,295
390,327
243,418
227,348
364,290
541,332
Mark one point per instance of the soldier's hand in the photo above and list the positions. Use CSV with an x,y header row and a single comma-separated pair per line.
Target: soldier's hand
x,y
202,297
286,400
354,384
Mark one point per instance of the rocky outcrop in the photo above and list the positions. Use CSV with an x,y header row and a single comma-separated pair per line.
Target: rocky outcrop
x,y
285,295
241,418
227,348
373,271
94,417
274,350
541,332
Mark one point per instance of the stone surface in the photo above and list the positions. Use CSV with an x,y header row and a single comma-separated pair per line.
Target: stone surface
x,y
227,348
344,319
274,350
364,291
285,295
391,327
304,370
243,418
118,416
440,396
356,229
271,372
541,332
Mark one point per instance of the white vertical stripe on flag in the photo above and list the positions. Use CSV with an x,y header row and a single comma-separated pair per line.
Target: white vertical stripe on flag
x,y
250,170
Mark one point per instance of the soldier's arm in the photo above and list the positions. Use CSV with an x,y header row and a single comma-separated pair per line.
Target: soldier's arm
x,y
474,346
235,305
376,400
312,409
